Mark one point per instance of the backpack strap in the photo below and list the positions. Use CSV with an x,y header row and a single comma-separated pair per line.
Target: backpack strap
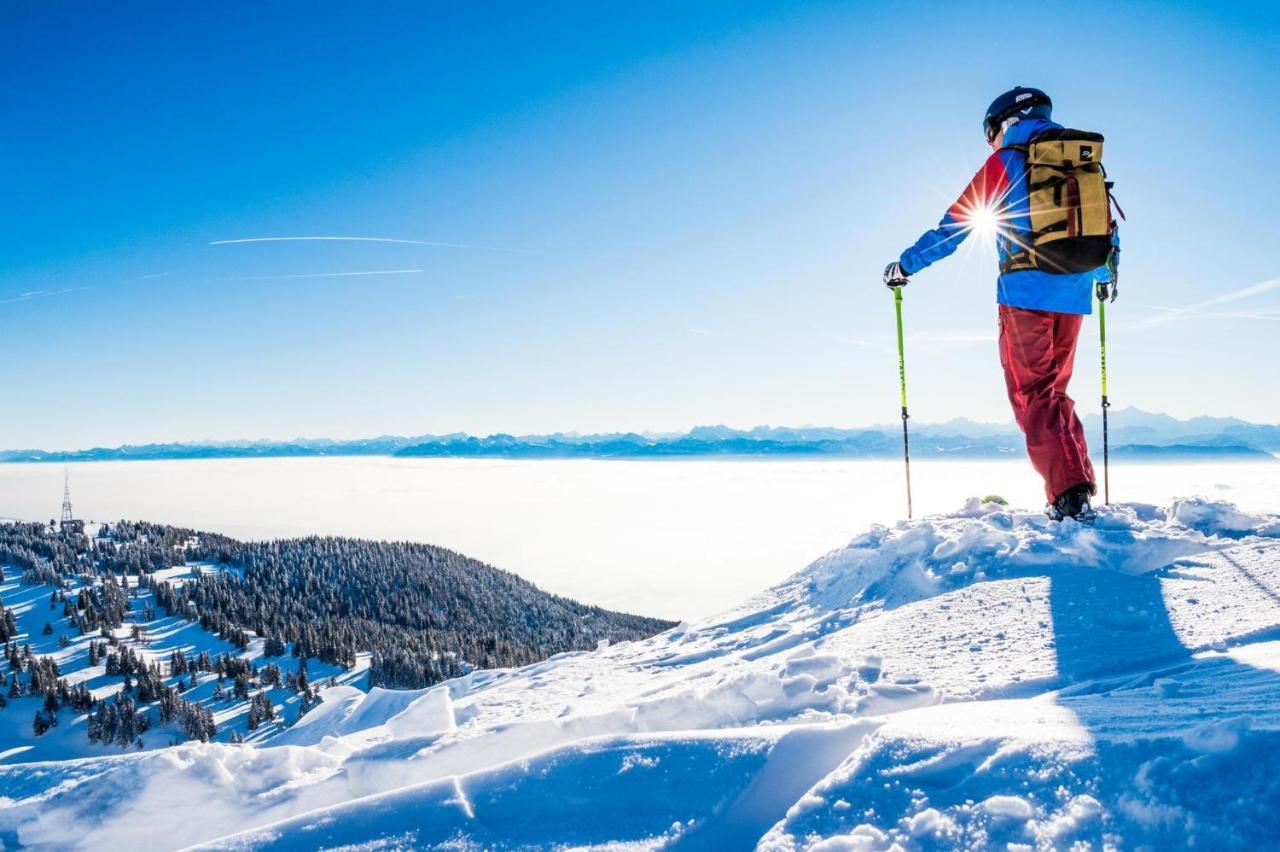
x,y
1022,258
1064,225
1057,180
1111,198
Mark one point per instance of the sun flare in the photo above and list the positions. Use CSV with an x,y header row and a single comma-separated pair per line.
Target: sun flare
x,y
985,222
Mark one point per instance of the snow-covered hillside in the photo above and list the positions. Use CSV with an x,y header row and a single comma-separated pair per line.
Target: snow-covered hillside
x,y
44,616
971,680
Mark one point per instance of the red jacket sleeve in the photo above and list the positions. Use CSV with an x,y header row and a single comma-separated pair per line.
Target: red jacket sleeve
x,y
986,190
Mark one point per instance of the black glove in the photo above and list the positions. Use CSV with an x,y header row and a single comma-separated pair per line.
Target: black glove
x,y
894,277
1111,288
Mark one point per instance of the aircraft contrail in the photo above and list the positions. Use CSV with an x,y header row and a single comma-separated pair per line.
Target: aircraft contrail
x,y
926,337
399,241
325,274
354,240
1198,309
1242,293
1192,312
861,343
42,294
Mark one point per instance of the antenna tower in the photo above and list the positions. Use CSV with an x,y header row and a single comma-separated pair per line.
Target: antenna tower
x,y
66,498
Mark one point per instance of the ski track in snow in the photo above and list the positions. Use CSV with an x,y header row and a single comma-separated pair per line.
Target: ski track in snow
x,y
985,678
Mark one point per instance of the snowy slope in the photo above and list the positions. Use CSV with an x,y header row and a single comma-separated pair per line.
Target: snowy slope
x,y
161,635
982,678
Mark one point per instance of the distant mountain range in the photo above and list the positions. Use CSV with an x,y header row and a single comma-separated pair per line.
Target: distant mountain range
x,y
1135,434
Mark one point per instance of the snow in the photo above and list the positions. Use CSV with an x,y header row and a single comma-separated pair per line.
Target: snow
x,y
1008,807
1115,686
162,636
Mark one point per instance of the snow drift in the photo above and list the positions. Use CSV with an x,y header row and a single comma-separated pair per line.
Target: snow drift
x,y
981,678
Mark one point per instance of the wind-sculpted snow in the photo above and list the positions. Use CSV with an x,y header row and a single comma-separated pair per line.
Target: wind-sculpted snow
x,y
964,681
905,564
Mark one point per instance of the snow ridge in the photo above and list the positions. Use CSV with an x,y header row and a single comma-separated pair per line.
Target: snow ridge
x,y
984,678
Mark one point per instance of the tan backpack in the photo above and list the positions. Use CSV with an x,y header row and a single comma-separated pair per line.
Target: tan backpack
x,y
1069,200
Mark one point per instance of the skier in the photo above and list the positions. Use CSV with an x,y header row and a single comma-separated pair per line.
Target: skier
x,y
1044,191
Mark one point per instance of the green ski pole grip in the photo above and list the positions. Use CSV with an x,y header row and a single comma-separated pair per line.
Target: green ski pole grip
x,y
902,360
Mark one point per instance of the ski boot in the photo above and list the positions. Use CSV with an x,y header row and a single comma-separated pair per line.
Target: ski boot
x,y
1074,503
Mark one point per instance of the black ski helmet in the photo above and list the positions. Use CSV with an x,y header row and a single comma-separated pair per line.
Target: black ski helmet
x,y
1022,101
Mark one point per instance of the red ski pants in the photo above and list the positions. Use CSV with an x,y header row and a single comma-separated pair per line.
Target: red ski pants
x,y
1038,351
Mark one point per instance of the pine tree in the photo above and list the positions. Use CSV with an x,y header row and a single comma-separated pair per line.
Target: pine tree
x,y
260,710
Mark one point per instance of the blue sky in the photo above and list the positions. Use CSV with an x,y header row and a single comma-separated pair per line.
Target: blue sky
x,y
640,216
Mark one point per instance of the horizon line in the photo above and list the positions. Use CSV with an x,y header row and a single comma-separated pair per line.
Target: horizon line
x,y
1010,425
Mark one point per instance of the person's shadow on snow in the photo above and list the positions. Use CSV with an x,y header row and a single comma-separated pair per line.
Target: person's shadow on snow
x,y
1107,623
1184,748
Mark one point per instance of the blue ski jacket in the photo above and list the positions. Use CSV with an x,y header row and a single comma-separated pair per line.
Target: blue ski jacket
x,y
1000,187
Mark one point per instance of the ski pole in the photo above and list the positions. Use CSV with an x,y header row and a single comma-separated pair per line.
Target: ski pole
x,y
902,385
1102,341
